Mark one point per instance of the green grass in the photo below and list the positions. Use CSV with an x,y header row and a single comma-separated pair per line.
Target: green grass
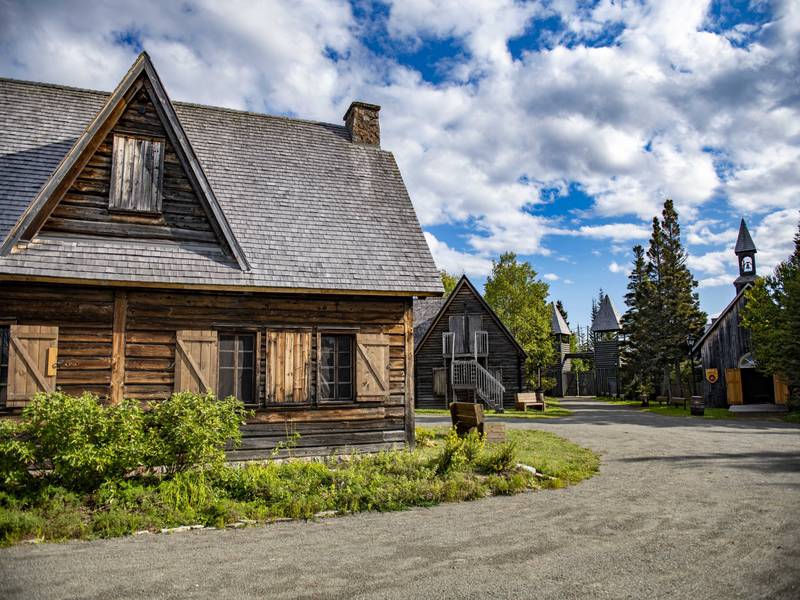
x,y
444,468
552,410
669,411
792,417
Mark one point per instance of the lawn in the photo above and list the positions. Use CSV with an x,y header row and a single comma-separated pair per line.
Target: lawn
x,y
675,411
552,410
443,468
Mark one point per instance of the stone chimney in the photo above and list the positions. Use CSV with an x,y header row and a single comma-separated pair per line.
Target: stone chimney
x,y
361,120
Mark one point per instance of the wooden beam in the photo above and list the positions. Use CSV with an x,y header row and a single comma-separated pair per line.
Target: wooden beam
x,y
118,347
408,325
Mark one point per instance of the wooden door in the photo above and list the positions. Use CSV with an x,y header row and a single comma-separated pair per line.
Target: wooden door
x,y
32,357
781,389
288,366
456,323
372,367
733,386
196,361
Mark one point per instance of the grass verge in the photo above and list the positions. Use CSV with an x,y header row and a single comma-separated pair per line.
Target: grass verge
x,y
444,468
553,409
679,411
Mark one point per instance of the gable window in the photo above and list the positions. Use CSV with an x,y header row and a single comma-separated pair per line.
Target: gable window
x,y
137,166
4,337
237,366
336,367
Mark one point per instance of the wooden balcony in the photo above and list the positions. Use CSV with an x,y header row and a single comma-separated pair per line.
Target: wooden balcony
x,y
479,346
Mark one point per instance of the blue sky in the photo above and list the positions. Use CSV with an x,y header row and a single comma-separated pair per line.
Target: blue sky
x,y
553,129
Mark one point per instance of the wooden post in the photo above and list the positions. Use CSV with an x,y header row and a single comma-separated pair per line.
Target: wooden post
x,y
118,347
408,326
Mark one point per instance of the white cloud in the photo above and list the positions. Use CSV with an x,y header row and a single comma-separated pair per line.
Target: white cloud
x,y
551,277
456,262
615,267
568,282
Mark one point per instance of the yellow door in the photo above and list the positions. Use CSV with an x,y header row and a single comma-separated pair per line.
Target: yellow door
x,y
733,385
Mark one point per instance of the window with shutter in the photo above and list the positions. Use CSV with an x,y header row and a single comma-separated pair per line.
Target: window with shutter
x,y
288,366
372,367
137,167
475,322
237,366
336,367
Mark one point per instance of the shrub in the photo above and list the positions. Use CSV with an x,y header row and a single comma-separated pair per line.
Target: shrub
x,y
16,455
192,430
501,458
458,452
82,441
424,437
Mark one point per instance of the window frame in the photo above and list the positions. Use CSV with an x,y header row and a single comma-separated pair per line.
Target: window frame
x,y
337,333
159,184
237,334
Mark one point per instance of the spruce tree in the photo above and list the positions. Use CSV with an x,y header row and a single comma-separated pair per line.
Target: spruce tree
x,y
638,325
563,311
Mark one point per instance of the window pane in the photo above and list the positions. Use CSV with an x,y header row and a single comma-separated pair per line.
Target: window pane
x,y
345,391
226,360
326,373
226,377
246,360
227,343
344,375
246,386
328,343
246,342
345,358
327,359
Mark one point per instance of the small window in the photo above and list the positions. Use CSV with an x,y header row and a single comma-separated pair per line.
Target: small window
x,y
136,172
237,366
336,367
4,336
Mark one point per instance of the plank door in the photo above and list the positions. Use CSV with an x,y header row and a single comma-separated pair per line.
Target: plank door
x,y
372,367
196,361
288,366
781,385
733,385
32,358
456,323
475,323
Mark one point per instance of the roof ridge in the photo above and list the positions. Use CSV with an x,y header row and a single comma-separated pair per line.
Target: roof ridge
x,y
71,88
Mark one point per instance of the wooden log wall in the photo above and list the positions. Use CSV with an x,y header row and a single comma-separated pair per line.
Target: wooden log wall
x,y
503,353
722,350
84,209
147,321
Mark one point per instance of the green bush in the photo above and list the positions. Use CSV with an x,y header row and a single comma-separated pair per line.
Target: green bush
x,y
192,430
83,441
424,437
501,458
16,455
458,452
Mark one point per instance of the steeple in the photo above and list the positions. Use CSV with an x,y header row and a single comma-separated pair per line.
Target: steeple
x,y
746,253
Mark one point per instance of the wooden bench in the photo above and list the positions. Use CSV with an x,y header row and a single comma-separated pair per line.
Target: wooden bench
x,y
467,416
526,399
676,401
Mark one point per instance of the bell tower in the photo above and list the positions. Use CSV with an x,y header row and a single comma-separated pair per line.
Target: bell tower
x,y
746,253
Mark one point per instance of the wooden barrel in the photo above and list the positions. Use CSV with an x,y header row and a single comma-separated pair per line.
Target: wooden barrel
x,y
698,406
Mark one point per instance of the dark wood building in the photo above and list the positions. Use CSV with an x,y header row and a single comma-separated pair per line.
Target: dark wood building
x,y
464,352
150,247
730,376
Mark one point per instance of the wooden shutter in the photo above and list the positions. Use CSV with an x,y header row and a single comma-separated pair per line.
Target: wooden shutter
x,y
196,362
733,385
439,381
372,366
288,366
781,385
136,174
475,322
457,327
32,356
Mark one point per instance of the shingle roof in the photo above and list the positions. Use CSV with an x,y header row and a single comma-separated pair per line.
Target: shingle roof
x,y
425,311
557,322
607,318
744,243
310,209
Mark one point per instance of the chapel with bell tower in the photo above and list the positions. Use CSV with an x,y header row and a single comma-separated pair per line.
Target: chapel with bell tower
x,y
746,253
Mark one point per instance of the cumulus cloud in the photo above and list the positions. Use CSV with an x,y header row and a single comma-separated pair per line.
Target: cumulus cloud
x,y
615,267
551,277
457,262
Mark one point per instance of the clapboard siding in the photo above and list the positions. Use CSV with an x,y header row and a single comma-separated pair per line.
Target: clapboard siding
x,y
85,317
503,352
722,349
85,206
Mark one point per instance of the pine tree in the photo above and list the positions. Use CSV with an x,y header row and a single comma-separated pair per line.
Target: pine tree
x,y
563,311
638,326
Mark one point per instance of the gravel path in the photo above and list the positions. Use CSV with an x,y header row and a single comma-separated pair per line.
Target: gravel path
x,y
682,508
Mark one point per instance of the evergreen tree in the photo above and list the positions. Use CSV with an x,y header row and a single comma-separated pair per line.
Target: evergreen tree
x,y
772,314
563,311
448,281
638,325
520,300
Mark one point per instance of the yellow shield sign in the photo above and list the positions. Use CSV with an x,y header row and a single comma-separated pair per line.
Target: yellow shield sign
x,y
712,375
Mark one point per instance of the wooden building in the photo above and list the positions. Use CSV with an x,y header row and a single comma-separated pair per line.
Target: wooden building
x,y
464,352
725,348
151,246
561,340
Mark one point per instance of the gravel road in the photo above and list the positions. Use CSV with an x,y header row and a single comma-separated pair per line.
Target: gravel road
x,y
682,508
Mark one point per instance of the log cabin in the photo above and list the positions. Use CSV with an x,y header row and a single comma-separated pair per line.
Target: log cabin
x,y
150,247
731,378
463,352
